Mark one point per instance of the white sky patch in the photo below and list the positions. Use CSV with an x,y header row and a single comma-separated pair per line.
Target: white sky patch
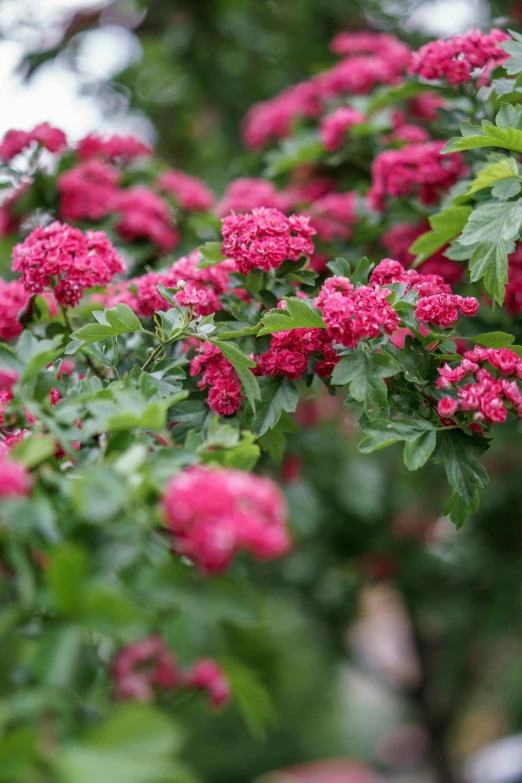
x,y
443,18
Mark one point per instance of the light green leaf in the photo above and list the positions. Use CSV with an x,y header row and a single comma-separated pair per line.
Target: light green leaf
x,y
298,315
119,319
499,170
65,577
493,339
445,225
490,262
212,255
514,49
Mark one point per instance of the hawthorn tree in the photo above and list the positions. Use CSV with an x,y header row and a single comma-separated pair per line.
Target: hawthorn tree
x,y
145,400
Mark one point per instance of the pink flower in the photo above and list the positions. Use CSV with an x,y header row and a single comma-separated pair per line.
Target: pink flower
x,y
458,58
114,147
44,134
225,396
352,315
8,378
63,258
417,170
15,481
442,309
214,513
143,666
13,300
191,193
145,215
247,193
447,407
208,675
87,191
334,126
264,238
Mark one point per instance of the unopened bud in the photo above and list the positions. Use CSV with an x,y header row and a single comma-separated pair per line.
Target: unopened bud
x,y
181,284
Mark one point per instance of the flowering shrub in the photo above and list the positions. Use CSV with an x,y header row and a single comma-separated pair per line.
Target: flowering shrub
x,y
138,392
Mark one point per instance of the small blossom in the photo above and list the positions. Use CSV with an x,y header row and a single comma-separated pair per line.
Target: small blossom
x,y
62,257
15,481
214,513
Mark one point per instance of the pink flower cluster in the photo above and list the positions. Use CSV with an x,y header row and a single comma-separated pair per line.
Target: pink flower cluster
x,y
15,141
481,392
201,288
436,304
15,481
459,57
191,193
334,126
385,45
148,665
8,378
291,350
62,257
88,190
247,193
358,73
125,148
353,314
417,170
333,215
214,513
513,301
13,300
443,309
145,215
265,238
400,238
224,396
389,271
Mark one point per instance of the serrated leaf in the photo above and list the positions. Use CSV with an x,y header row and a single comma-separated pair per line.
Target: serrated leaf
x,y
117,320
509,116
500,170
490,221
505,189
514,49
465,474
490,262
445,226
459,509
211,253
493,339
298,315
491,136
418,450
364,372
277,395
37,354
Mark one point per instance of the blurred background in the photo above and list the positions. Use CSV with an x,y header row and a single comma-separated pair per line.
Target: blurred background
x,y
391,643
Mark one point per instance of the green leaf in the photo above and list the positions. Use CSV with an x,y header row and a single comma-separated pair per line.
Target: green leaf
x,y
135,744
491,136
277,395
514,49
364,372
37,354
459,452
34,450
509,116
241,365
505,189
211,252
493,339
293,152
298,315
98,494
250,697
419,436
445,225
389,96
117,320
490,261
418,450
65,577
459,509
340,267
499,170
